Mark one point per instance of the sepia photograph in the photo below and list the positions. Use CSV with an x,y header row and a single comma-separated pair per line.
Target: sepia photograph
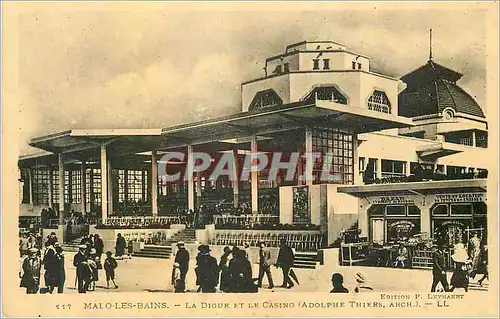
x,y
282,150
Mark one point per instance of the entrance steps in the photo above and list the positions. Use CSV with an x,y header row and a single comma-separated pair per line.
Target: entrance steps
x,y
164,249
306,260
154,251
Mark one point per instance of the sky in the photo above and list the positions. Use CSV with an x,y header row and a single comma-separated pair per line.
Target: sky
x,y
158,66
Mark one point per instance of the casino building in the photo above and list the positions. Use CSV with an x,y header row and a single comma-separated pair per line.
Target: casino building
x,y
405,163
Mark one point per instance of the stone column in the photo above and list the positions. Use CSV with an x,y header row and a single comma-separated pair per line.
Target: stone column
x,y
104,183
358,179
190,180
236,184
61,188
254,175
474,138
407,168
379,167
154,183
308,174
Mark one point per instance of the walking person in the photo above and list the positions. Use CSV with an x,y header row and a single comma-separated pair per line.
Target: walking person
x,y
265,266
285,261
99,246
338,284
474,252
23,245
83,274
31,267
207,270
240,273
177,281
182,258
402,257
95,265
120,246
484,260
51,264
61,272
225,277
110,265
438,273
460,278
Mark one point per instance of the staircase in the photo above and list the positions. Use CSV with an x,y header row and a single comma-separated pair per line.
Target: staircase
x,y
154,251
306,260
71,246
164,249
188,236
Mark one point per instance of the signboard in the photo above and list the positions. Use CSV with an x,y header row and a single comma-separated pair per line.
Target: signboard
x,y
393,200
460,198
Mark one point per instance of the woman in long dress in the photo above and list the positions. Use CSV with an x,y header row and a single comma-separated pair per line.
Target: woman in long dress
x,y
474,253
460,278
120,246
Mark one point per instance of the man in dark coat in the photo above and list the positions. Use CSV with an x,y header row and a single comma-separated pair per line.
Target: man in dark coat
x,y
265,265
438,272
82,269
240,273
285,261
182,258
98,245
51,265
207,270
120,246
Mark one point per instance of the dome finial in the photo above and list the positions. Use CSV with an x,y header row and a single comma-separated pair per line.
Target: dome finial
x,y
430,44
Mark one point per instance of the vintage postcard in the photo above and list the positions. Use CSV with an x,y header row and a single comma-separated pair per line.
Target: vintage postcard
x,y
249,159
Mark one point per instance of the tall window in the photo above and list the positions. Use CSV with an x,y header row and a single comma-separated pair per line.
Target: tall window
x,y
315,64
76,187
41,186
55,186
481,139
93,186
121,185
265,99
135,184
379,102
326,64
339,145
67,187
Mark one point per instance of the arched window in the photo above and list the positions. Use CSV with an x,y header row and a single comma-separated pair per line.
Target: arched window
x,y
379,102
326,93
265,99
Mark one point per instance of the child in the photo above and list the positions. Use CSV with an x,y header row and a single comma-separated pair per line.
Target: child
x,y
95,265
177,281
110,265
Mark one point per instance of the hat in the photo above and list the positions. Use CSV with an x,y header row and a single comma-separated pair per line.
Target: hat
x,y
82,246
33,250
108,253
56,244
181,243
93,251
204,248
53,233
176,265
360,278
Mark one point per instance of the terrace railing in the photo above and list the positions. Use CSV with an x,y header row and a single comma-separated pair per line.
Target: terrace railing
x,y
246,220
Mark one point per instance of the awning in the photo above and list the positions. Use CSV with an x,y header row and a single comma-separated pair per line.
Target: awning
x,y
266,122
419,188
279,119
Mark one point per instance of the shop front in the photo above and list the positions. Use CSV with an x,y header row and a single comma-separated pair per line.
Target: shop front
x,y
416,215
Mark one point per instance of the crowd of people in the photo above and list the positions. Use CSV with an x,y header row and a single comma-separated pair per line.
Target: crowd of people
x,y
470,259
233,272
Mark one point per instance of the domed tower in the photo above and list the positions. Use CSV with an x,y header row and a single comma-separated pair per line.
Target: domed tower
x,y
441,109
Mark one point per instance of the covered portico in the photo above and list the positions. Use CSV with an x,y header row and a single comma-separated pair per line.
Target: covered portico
x,y
296,127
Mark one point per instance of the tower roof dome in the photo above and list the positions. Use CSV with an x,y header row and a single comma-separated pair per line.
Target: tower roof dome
x,y
432,88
